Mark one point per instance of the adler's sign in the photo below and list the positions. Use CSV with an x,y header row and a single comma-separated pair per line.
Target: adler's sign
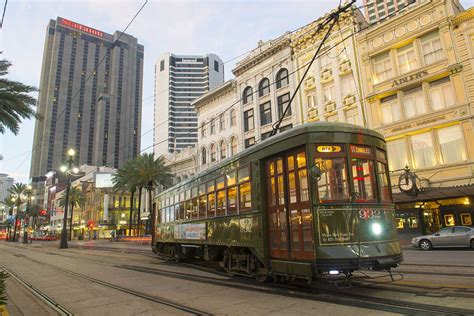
x,y
80,27
411,77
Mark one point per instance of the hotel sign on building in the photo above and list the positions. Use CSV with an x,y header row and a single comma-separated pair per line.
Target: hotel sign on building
x,y
417,97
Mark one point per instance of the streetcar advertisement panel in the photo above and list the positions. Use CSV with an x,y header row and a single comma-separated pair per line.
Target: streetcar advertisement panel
x,y
190,231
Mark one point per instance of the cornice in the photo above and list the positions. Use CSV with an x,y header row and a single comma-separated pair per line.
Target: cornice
x,y
264,51
215,94
463,16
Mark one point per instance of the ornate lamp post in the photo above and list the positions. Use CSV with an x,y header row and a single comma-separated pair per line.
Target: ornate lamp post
x,y
69,170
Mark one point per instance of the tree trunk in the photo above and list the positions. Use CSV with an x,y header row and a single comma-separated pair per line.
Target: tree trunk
x,y
70,222
131,213
152,215
139,209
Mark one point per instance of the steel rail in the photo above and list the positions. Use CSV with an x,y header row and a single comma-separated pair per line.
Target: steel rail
x,y
61,310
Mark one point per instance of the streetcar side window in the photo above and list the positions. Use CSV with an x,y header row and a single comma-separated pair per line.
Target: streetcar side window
x,y
363,170
383,176
245,190
332,184
211,199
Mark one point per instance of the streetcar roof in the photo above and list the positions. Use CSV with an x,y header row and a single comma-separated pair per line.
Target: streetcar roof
x,y
317,127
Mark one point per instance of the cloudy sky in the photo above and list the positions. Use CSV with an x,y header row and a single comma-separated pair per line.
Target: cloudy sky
x,y
228,28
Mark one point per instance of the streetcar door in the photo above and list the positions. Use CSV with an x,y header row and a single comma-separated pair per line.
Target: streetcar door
x,y
288,207
277,215
300,215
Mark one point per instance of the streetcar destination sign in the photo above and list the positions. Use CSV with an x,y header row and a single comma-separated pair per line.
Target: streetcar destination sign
x,y
329,149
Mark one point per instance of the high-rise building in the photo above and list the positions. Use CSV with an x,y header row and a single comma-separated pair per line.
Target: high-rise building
x,y
179,79
5,183
376,10
90,99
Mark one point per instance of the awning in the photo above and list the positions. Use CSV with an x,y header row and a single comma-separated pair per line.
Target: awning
x,y
427,194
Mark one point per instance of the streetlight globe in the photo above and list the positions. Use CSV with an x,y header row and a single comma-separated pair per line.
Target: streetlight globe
x,y
71,152
63,168
75,170
29,187
32,198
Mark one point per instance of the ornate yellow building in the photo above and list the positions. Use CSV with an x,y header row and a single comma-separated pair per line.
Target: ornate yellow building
x,y
417,83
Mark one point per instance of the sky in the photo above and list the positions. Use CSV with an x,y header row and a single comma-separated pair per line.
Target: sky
x,y
228,28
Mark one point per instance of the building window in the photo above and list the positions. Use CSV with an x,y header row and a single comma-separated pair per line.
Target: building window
x,y
233,146
282,79
325,61
264,87
328,92
382,67
347,85
265,113
248,95
406,59
265,135
221,122
213,153
311,99
213,126
441,93
203,130
423,150
353,117
203,155
390,109
233,117
249,124
397,151
223,149
249,142
414,102
451,143
431,48
162,65
216,65
283,102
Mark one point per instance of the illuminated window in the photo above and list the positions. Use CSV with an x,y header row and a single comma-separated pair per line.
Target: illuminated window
x,y
466,219
449,220
451,142
245,201
221,203
390,110
414,102
211,205
398,153
362,175
441,94
423,150
406,59
382,67
431,48
332,185
232,200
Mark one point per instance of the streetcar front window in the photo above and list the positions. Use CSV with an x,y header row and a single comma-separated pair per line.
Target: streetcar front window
x,y
332,184
362,175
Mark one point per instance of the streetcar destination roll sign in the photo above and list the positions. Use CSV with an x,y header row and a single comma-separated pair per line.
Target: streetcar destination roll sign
x,y
328,149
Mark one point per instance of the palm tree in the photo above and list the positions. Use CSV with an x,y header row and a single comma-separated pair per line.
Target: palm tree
x,y
17,191
15,102
152,172
125,179
10,204
76,198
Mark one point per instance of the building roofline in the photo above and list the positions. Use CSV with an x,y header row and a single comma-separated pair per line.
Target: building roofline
x,y
197,103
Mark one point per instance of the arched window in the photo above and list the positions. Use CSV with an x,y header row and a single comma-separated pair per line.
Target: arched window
x,y
223,149
264,87
213,153
248,95
282,79
203,155
233,146
233,118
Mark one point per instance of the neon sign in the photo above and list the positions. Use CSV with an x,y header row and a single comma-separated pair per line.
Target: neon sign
x,y
81,27
329,149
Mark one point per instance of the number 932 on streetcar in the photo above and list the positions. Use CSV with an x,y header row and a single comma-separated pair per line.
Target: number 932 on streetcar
x,y
306,203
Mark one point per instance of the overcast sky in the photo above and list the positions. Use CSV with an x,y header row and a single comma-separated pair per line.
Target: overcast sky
x,y
226,28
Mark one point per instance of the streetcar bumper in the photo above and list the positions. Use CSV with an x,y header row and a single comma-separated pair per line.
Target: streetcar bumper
x,y
381,263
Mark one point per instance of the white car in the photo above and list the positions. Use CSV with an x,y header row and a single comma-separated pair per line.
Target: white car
x,y
455,236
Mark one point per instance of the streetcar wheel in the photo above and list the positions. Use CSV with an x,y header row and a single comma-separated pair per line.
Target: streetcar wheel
x,y
425,244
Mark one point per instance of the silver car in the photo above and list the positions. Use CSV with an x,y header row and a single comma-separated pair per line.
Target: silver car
x,y
455,236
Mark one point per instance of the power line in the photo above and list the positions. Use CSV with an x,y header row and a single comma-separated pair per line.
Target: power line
x,y
3,15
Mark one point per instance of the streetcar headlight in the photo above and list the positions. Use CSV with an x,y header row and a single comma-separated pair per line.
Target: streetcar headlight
x,y
376,229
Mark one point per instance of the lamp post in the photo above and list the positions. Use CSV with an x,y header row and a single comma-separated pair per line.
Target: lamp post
x,y
26,220
68,169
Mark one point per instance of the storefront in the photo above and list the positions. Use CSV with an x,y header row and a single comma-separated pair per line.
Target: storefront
x,y
432,209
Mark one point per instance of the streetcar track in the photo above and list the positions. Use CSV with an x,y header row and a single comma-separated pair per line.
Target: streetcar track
x,y
61,310
155,299
325,295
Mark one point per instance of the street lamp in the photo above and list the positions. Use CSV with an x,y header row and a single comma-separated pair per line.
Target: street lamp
x,y
29,197
68,169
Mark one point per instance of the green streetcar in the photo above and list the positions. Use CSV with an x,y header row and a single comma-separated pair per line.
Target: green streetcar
x,y
306,203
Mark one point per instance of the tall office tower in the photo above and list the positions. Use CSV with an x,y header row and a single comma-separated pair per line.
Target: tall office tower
x,y
178,81
90,98
376,10
5,183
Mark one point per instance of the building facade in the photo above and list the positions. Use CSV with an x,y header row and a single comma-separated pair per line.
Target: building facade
x,y
90,99
180,79
376,10
5,183
331,90
183,164
417,96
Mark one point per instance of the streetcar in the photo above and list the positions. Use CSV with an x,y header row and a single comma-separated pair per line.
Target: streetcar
x,y
310,202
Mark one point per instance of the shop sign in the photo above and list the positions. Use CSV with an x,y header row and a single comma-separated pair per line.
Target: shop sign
x,y
81,27
329,149
190,231
409,78
360,150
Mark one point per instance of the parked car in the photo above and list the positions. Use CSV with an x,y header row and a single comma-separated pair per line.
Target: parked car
x,y
455,236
